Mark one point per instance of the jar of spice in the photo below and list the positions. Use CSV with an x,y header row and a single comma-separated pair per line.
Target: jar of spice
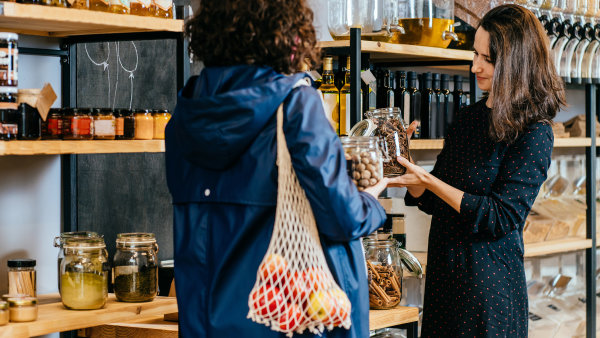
x,y
8,124
363,160
161,118
9,59
144,124
84,273
52,127
22,309
3,313
60,240
78,124
384,268
104,124
136,267
163,8
21,276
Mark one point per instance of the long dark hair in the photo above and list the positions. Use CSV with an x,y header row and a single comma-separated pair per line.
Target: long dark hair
x,y
525,86
275,33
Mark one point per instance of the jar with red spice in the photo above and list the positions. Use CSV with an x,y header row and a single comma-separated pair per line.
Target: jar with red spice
x,y
52,127
78,124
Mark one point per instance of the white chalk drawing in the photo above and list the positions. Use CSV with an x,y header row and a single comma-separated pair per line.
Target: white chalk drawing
x,y
106,69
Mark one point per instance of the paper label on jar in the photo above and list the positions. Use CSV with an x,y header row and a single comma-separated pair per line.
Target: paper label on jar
x,y
165,5
332,109
126,270
104,127
8,65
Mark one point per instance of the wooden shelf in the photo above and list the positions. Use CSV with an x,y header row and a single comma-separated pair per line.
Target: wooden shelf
x,y
62,22
58,147
53,317
557,246
379,319
574,142
382,51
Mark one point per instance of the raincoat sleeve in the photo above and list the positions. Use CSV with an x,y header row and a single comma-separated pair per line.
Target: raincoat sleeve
x,y
342,212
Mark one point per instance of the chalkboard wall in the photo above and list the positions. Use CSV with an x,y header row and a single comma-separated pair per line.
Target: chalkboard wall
x,y
126,192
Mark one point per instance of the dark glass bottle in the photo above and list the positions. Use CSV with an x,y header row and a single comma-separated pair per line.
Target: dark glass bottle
x,y
29,122
448,108
428,113
414,105
401,96
385,92
437,121
460,98
128,124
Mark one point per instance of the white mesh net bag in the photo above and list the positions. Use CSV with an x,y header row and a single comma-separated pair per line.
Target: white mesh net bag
x,y
294,288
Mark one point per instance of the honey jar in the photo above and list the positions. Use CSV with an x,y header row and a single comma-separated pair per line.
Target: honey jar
x,y
163,8
23,309
144,124
142,7
99,5
161,118
119,6
81,4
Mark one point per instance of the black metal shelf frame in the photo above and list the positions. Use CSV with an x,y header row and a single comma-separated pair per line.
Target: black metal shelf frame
x,y
592,108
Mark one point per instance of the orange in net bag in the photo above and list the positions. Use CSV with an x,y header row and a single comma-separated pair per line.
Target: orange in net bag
x,y
294,289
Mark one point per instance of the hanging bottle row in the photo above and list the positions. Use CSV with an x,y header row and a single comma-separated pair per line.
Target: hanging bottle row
x,y
156,8
430,98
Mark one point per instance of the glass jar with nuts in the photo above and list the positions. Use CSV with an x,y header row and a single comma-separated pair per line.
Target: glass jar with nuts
x,y
363,160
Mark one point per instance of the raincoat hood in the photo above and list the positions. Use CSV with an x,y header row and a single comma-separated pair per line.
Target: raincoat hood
x,y
226,108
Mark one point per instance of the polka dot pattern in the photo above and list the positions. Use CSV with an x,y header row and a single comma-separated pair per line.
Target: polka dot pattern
x,y
475,283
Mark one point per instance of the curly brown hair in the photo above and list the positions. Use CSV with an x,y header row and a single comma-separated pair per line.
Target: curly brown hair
x,y
274,33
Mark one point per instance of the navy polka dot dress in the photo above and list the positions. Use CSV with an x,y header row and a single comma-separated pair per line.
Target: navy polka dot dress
x,y
475,285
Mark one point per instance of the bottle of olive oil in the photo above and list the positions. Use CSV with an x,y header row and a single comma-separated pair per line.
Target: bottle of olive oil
x,y
345,112
331,95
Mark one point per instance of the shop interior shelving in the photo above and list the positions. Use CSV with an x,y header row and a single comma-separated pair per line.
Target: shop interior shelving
x,y
575,142
53,317
63,22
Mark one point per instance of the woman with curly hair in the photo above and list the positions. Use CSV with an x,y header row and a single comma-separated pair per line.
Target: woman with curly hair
x,y
221,171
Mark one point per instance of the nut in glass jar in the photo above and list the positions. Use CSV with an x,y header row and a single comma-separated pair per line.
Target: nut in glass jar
x,y
363,160
384,268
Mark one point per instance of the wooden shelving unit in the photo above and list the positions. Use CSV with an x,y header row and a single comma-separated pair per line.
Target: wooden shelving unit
x,y
379,319
53,317
558,246
575,142
80,147
61,22
382,51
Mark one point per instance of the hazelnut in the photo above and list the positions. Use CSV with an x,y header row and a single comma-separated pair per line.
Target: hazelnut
x,y
365,174
360,167
364,183
373,181
366,160
356,175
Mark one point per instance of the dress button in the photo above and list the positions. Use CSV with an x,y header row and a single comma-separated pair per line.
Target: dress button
x,y
207,192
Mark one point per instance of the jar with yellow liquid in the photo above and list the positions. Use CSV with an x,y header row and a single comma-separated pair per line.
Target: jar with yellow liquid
x,y
163,8
119,6
427,23
99,5
142,7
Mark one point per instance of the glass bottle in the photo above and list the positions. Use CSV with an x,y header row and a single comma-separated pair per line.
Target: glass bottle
x,y
119,124
136,267
459,97
119,6
345,113
427,106
161,118
29,123
142,7
401,95
52,127
437,121
99,5
128,124
448,108
384,268
331,95
59,241
163,8
363,160
385,92
104,124
144,124
415,103
84,273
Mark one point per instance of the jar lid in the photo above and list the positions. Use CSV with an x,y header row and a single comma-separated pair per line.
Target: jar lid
x,y
59,240
161,111
3,305
21,263
106,111
143,111
84,243
5,297
9,36
411,263
8,90
22,301
136,238
365,127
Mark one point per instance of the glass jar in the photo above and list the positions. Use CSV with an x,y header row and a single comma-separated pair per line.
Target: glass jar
x,y
8,97
52,127
161,118
377,19
81,4
78,124
59,3
8,124
104,124
60,240
363,160
9,59
29,122
99,5
426,23
142,7
119,6
388,125
84,273
136,267
144,124
384,268
3,313
21,276
163,8
23,309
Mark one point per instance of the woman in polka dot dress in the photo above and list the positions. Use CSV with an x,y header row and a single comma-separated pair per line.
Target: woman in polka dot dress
x,y
495,158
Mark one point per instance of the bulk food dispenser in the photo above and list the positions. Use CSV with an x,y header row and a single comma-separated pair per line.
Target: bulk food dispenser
x,y
426,23
377,19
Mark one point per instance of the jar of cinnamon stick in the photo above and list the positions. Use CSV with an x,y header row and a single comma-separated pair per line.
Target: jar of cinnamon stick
x,y
384,268
21,277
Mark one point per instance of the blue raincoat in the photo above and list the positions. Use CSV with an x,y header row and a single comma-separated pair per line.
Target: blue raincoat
x,y
221,172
